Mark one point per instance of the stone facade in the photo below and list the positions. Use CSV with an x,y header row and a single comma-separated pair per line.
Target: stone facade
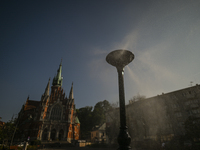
x,y
52,118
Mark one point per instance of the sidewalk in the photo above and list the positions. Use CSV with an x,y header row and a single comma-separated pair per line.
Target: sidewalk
x,y
78,148
83,148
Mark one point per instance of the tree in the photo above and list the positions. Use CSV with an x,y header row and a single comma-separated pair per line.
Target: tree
x,y
99,111
89,118
6,131
112,123
138,97
85,118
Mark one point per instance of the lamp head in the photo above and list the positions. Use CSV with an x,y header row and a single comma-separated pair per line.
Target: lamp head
x,y
120,58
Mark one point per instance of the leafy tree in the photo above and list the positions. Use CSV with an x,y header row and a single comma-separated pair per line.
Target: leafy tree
x,y
138,97
89,118
85,118
36,142
6,131
99,111
112,127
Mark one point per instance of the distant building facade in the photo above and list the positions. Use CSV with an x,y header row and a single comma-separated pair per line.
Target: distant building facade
x,y
51,118
161,117
98,134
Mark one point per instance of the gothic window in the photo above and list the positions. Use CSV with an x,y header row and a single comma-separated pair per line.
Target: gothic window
x,y
44,134
61,134
53,134
178,114
56,113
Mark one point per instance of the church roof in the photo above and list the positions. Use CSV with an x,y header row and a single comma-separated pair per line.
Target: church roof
x,y
31,104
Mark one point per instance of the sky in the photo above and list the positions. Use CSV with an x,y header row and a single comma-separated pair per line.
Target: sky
x,y
164,36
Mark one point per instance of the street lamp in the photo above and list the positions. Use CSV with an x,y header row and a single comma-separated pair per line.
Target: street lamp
x,y
119,59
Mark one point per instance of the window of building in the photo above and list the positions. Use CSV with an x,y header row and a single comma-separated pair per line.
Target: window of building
x,y
184,94
56,113
178,114
181,124
189,112
169,125
175,105
188,103
167,116
173,97
195,101
195,111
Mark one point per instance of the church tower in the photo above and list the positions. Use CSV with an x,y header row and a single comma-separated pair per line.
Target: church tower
x,y
57,80
56,89
60,119
54,116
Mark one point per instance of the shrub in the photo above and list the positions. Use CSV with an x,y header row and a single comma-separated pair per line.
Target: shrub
x,y
36,142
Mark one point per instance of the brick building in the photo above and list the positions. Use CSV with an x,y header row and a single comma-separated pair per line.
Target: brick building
x,y
51,118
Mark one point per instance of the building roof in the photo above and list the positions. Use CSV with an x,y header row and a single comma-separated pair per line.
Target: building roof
x,y
99,127
31,104
77,120
182,93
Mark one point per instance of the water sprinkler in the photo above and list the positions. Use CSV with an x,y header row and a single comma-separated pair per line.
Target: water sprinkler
x,y
119,59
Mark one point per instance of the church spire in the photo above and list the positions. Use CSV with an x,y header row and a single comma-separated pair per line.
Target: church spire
x,y
71,94
47,88
57,80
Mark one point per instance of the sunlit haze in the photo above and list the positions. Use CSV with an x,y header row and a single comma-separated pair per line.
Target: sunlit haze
x,y
35,35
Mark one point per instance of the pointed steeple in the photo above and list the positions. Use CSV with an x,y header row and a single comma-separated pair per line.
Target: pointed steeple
x,y
26,100
71,94
57,80
47,88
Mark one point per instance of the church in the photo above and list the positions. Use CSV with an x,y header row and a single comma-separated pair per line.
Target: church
x,y
53,118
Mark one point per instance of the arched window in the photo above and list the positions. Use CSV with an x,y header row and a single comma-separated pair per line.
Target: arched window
x,y
56,113
53,134
44,134
61,134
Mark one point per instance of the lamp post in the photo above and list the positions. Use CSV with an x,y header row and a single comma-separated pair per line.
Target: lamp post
x,y
119,59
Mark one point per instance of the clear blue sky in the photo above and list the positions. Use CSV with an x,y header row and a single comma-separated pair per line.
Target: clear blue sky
x,y
164,35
